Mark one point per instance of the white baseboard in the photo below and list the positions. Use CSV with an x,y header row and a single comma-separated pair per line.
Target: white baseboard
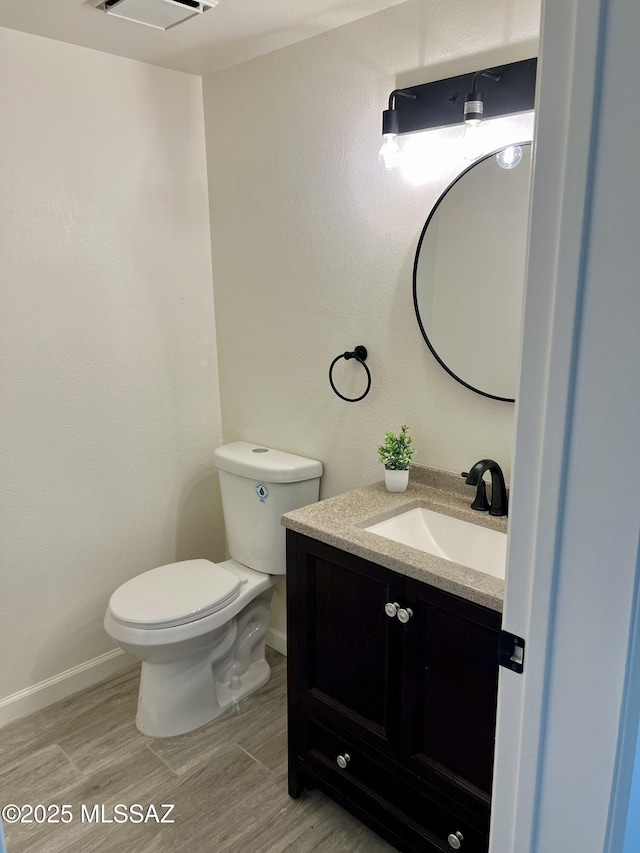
x,y
84,675
62,685
277,641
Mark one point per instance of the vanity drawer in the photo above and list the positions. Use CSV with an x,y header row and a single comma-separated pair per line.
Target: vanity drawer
x,y
364,778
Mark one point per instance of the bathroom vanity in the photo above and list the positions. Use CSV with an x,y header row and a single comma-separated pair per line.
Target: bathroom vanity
x,y
392,669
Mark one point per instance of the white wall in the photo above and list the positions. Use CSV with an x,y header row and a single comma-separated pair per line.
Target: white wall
x,y
108,372
313,242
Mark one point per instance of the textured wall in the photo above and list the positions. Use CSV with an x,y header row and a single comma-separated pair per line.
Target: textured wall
x,y
108,370
313,242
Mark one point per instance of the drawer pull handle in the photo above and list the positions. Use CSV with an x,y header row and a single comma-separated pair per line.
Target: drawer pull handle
x,y
455,840
343,760
404,614
391,608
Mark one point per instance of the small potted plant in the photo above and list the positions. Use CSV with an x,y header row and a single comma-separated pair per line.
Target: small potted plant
x,y
395,454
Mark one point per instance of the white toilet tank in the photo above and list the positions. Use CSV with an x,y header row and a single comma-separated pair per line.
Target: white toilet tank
x,y
258,485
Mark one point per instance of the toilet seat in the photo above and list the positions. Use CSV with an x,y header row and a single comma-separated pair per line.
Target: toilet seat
x,y
174,594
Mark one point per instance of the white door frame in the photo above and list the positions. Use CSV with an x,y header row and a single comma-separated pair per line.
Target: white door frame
x,y
575,508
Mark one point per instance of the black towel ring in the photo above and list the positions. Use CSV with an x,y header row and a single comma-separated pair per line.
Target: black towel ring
x,y
360,355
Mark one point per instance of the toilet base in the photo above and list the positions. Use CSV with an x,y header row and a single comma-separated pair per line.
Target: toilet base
x,y
254,678
179,696
162,716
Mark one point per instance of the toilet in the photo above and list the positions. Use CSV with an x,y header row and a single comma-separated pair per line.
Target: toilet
x,y
199,627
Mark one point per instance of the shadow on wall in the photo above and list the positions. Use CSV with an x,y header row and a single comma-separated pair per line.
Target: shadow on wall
x,y
199,521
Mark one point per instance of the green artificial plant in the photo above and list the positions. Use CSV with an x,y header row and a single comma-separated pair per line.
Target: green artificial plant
x,y
396,452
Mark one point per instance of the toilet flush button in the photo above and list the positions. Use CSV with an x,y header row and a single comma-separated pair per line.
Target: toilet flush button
x,y
260,450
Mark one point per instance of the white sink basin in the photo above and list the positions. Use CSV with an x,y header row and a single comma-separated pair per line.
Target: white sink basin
x,y
450,538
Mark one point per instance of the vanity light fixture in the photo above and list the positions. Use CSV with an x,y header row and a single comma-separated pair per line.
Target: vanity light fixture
x,y
473,112
389,155
507,90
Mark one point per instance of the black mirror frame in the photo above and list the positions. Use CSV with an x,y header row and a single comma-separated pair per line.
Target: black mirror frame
x,y
415,273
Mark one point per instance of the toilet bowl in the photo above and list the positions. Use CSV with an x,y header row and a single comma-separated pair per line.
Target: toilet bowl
x,y
187,665
199,627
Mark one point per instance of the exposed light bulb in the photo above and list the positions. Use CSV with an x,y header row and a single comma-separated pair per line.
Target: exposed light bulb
x,y
389,155
509,157
472,141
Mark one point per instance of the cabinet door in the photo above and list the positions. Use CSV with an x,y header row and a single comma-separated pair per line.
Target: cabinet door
x,y
345,663
450,692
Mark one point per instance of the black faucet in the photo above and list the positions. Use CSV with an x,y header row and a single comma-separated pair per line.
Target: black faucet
x,y
499,500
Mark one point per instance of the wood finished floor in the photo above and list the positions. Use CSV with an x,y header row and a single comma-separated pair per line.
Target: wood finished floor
x,y
227,780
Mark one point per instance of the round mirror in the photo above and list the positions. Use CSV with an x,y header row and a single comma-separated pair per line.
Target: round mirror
x,y
468,275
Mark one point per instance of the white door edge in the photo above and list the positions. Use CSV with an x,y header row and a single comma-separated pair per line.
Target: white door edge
x,y
546,482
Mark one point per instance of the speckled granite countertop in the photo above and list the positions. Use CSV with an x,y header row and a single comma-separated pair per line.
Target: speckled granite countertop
x,y
340,521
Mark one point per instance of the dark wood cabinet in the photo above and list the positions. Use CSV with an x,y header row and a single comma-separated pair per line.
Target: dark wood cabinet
x,y
394,720
346,654
450,687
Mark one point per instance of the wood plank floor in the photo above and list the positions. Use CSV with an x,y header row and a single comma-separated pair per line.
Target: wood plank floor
x,y
227,780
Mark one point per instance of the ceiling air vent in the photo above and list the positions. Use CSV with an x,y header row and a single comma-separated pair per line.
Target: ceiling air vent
x,y
161,14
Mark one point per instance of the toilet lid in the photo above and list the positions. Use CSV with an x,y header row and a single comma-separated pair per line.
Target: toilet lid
x,y
174,594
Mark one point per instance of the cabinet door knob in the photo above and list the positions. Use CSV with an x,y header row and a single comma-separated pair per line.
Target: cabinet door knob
x,y
391,609
404,614
455,840
343,760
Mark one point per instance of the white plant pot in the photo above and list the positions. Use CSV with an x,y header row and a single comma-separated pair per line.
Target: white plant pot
x,y
396,481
